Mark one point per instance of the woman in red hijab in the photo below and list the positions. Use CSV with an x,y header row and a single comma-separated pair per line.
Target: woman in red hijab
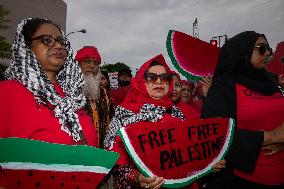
x,y
148,100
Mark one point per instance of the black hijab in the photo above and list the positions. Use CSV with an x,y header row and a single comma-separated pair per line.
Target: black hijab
x,y
234,66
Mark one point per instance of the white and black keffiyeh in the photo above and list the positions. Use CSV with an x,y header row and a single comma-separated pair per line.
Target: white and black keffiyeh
x,y
124,117
25,69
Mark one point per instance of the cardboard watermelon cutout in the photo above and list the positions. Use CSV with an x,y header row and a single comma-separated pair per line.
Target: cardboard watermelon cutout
x,y
179,151
29,164
276,64
192,57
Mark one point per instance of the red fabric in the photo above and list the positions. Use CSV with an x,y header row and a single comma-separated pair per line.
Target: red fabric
x,y
196,104
276,64
88,52
118,95
257,112
20,117
3,180
188,111
138,95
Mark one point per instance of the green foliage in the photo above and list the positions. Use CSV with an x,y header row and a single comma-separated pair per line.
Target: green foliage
x,y
3,20
2,71
5,48
114,67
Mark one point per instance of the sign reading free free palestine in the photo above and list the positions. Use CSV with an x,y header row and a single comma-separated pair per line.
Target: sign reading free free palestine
x,y
179,151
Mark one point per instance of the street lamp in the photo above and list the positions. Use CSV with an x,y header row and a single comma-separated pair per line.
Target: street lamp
x,y
82,31
195,29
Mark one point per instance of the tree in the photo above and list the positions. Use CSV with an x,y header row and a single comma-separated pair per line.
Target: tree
x,y
114,67
5,48
2,71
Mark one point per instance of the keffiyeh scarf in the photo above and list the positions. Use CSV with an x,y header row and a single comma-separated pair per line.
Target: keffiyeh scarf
x,y
124,117
25,69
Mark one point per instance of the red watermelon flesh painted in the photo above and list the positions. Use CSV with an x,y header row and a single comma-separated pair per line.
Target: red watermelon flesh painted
x,y
276,64
29,164
179,151
192,57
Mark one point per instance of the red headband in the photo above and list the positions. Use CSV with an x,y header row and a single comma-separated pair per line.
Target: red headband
x,y
88,52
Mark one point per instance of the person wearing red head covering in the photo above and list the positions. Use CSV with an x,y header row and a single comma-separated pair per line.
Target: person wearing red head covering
x,y
186,91
99,103
188,111
148,100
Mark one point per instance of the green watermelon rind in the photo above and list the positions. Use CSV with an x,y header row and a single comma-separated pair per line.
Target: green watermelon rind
x,y
24,154
181,70
177,183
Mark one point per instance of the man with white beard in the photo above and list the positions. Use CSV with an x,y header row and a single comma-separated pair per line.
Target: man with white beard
x,y
99,103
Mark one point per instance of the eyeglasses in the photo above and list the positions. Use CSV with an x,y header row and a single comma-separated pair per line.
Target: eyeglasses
x,y
262,48
177,86
152,77
50,41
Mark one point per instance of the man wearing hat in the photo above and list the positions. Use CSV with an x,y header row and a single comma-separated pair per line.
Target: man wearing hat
x,y
118,95
99,103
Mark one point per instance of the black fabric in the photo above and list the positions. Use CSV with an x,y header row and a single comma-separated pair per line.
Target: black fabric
x,y
247,146
230,181
234,66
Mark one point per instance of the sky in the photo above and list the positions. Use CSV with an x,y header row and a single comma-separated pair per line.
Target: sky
x,y
133,31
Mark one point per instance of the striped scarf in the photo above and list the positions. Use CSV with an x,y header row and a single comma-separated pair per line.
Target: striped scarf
x,y
25,69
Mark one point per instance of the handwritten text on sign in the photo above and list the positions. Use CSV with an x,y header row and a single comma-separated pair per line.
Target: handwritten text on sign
x,y
176,149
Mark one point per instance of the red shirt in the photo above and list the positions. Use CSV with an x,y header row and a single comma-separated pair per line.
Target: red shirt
x,y
119,94
188,111
257,112
21,117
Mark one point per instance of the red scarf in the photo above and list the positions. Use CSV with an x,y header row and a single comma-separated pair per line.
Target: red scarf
x,y
138,95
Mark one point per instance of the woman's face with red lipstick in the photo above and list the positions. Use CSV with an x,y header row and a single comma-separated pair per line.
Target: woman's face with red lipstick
x,y
157,82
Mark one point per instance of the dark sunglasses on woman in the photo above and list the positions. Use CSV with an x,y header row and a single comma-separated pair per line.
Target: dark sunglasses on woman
x,y
50,41
152,77
262,48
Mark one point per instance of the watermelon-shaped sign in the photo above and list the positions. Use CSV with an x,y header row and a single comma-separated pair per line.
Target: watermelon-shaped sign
x,y
192,57
29,164
179,151
276,64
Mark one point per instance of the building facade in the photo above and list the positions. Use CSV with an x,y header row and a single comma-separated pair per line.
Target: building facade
x,y
54,10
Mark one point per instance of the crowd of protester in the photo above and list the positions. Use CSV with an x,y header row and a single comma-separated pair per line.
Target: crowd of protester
x,y
52,96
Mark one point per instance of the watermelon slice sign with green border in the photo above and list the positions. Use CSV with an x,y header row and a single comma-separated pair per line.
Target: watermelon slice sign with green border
x,y
29,164
192,57
179,151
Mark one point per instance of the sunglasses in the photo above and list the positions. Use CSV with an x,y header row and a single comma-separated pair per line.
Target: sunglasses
x,y
152,77
50,41
262,48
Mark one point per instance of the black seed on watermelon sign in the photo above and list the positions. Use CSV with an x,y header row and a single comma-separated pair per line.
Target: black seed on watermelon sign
x,y
30,173
77,187
73,177
87,180
62,184
37,184
18,183
52,177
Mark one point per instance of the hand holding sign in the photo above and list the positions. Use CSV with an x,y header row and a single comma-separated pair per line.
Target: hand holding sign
x,y
179,151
